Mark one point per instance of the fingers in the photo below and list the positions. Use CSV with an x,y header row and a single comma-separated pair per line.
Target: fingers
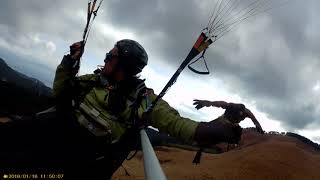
x,y
196,101
76,50
78,46
198,104
201,103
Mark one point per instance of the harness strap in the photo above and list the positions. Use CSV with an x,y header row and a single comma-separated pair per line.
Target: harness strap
x,y
49,110
95,115
92,127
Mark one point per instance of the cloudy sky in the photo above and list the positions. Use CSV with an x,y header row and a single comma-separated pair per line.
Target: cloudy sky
x,y
270,62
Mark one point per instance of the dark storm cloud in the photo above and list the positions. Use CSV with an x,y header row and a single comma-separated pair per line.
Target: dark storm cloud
x,y
272,59
54,18
177,22
279,79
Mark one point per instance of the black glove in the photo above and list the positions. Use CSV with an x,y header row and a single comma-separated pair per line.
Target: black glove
x,y
201,103
76,50
214,132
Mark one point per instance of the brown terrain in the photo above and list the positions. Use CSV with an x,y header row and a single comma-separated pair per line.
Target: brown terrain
x,y
257,157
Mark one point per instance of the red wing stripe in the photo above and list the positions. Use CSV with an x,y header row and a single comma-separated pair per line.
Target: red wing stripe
x,y
200,40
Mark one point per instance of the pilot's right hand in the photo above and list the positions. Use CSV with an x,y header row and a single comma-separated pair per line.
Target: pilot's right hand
x,y
76,50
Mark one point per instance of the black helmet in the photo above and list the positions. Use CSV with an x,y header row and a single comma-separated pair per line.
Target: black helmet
x,y
233,112
132,56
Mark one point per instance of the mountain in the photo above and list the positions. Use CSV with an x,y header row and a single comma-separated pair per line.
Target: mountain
x,y
20,94
32,85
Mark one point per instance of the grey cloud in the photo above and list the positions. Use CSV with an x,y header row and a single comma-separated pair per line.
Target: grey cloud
x,y
275,78
177,21
279,81
317,139
190,112
55,18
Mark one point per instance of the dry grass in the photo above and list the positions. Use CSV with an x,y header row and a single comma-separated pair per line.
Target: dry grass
x,y
258,157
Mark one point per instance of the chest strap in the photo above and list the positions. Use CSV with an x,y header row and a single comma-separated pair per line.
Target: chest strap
x,y
94,118
92,127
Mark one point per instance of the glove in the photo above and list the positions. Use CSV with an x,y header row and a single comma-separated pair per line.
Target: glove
x,y
214,132
76,50
201,103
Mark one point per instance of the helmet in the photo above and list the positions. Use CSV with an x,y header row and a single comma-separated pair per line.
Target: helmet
x,y
235,112
132,56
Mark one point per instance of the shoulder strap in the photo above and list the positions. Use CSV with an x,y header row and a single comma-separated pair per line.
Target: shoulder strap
x,y
91,83
137,124
138,97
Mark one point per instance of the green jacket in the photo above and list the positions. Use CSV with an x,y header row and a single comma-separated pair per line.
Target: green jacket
x,y
93,105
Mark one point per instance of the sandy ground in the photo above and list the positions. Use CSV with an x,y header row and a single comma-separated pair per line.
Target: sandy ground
x,y
258,157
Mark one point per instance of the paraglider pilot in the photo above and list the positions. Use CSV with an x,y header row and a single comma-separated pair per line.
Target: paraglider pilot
x,y
109,105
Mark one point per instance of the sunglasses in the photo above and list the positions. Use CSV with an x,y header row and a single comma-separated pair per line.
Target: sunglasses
x,y
109,56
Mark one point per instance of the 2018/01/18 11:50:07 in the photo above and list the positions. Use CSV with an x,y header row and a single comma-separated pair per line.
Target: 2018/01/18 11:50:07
x,y
33,176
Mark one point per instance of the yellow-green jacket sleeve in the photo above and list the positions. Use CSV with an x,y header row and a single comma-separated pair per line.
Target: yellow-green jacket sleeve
x,y
64,78
65,85
168,120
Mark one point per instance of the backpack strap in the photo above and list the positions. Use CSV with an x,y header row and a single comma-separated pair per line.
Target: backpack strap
x,y
138,97
80,92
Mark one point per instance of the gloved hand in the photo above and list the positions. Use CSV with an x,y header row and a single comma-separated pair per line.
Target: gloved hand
x,y
76,50
214,132
201,103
